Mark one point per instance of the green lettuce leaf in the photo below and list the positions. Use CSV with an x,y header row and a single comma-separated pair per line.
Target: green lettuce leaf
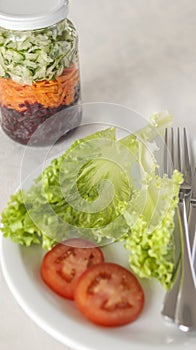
x,y
150,215
45,213
105,190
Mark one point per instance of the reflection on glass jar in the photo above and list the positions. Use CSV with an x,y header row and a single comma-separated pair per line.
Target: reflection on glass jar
x,y
39,76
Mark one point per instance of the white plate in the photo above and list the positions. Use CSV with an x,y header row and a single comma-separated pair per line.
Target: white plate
x,y
60,318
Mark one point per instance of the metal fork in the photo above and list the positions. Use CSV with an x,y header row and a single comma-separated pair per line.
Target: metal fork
x,y
180,298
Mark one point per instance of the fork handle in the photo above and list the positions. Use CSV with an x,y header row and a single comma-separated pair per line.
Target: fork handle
x,y
170,299
184,315
192,226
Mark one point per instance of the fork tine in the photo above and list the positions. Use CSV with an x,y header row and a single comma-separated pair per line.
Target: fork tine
x,y
169,152
172,153
179,163
172,150
187,166
165,165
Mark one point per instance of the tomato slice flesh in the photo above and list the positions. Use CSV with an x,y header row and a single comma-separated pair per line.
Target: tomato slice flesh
x,y
64,263
109,295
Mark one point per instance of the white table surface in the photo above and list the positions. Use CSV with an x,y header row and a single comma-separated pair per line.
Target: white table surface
x,y
138,53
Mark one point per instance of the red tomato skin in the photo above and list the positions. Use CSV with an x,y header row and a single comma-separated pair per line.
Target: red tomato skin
x,y
61,272
92,305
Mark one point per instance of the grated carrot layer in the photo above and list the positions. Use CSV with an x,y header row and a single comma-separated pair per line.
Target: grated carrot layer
x,y
53,93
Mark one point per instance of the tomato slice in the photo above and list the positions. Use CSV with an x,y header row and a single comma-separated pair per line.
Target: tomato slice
x,y
64,263
109,295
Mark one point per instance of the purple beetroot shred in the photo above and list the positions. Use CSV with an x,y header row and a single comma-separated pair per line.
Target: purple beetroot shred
x,y
20,126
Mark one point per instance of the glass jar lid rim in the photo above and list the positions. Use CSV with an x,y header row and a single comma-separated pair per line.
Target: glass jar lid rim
x,y
31,15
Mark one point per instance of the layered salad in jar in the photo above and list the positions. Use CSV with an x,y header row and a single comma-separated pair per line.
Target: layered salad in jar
x,y
39,77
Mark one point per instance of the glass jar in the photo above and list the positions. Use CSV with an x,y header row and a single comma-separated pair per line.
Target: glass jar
x,y
39,67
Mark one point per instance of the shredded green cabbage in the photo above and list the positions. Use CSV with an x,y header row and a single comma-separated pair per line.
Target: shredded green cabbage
x,y
30,56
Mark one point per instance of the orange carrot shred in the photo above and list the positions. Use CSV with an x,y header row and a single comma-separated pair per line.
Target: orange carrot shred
x,y
53,93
